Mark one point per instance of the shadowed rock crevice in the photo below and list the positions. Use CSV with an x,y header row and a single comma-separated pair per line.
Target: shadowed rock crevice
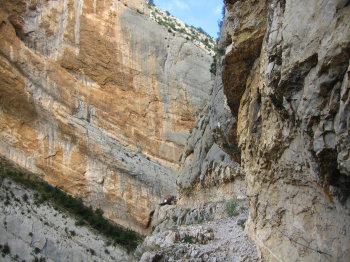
x,y
244,49
335,184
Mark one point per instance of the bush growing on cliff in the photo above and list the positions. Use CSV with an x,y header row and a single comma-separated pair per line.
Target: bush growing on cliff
x,y
5,250
85,215
150,3
187,239
219,51
241,223
213,66
231,208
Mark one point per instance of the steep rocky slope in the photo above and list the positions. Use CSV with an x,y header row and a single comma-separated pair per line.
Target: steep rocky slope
x,y
197,35
98,99
32,231
282,139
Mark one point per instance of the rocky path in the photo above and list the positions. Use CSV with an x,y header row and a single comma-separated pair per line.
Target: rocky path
x,y
213,241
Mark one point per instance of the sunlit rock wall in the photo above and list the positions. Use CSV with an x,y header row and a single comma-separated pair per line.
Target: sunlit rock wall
x,y
98,100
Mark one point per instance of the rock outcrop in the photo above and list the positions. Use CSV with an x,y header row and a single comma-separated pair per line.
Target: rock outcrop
x,y
285,137
98,99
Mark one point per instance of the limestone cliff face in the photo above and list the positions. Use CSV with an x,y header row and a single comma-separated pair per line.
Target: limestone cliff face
x,y
98,100
293,129
285,76
211,162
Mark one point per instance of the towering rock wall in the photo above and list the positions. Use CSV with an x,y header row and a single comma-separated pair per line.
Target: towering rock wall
x,y
98,100
211,161
293,130
285,76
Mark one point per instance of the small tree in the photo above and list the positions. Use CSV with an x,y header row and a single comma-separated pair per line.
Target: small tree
x,y
151,2
200,29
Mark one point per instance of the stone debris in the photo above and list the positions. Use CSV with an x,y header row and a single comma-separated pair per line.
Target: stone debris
x,y
219,239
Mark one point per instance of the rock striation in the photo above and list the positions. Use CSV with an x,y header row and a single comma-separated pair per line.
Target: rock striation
x,y
98,99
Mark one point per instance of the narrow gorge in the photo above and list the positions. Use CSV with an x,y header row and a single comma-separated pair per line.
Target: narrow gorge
x,y
102,100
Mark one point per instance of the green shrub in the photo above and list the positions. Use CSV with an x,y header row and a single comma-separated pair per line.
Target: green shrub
x,y
231,209
187,239
220,51
99,212
5,250
151,3
213,66
25,198
241,223
92,252
80,222
199,219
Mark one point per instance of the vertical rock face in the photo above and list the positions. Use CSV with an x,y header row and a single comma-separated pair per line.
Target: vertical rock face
x,y
293,130
286,79
98,99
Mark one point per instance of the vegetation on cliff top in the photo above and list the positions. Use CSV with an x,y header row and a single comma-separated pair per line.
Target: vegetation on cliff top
x,y
196,35
84,215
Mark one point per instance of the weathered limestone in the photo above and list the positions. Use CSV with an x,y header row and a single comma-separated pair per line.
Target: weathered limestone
x,y
286,78
208,172
98,100
292,137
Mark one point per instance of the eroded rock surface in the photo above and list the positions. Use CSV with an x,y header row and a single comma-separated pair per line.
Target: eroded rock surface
x,y
294,134
98,99
286,79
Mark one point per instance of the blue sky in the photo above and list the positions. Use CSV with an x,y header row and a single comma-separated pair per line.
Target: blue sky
x,y
199,13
